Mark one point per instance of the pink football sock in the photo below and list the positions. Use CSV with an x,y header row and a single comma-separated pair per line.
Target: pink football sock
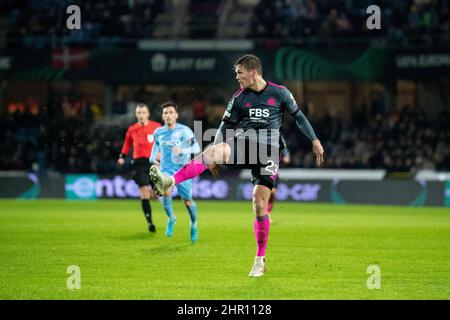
x,y
190,170
262,227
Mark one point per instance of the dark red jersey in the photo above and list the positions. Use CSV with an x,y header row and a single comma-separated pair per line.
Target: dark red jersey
x,y
141,138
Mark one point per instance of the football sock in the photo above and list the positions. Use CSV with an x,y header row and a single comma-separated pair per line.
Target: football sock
x,y
192,212
167,205
261,227
147,210
190,170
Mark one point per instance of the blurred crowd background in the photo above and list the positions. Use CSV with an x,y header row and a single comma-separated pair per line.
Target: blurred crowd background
x,y
71,131
409,22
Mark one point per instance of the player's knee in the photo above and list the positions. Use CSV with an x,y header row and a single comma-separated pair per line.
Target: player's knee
x,y
188,203
259,205
207,155
217,154
224,154
260,200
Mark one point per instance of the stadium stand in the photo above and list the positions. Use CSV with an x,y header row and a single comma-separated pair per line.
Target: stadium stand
x,y
71,133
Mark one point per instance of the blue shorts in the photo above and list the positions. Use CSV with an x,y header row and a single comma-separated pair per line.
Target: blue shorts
x,y
184,189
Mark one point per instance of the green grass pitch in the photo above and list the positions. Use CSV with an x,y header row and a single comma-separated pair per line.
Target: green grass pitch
x,y
314,252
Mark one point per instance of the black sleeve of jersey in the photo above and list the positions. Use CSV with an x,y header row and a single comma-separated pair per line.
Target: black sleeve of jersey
x,y
220,134
229,119
231,115
300,119
304,126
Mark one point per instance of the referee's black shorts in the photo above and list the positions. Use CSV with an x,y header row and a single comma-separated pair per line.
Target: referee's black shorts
x,y
261,158
141,167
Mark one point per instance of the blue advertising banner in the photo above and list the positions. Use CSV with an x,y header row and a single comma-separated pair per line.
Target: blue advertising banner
x,y
415,193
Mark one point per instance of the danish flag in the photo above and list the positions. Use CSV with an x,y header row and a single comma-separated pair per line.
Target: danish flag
x,y
70,58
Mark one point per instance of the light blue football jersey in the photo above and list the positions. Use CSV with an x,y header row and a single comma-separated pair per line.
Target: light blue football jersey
x,y
166,139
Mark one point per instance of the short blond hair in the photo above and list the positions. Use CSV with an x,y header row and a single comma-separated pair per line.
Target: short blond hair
x,y
250,62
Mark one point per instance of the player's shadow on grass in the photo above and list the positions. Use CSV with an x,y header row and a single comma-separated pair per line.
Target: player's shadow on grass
x,y
168,249
136,236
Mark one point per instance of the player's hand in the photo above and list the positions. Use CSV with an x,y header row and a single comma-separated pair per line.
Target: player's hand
x,y
286,160
120,161
318,151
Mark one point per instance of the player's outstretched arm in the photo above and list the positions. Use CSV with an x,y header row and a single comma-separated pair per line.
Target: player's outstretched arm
x,y
306,128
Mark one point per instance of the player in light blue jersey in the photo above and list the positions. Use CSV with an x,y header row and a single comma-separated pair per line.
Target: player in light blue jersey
x,y
175,143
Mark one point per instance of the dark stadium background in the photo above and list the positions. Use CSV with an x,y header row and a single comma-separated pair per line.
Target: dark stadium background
x,y
378,99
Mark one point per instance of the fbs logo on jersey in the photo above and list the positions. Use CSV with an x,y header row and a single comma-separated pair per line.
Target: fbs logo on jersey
x,y
258,113
150,138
